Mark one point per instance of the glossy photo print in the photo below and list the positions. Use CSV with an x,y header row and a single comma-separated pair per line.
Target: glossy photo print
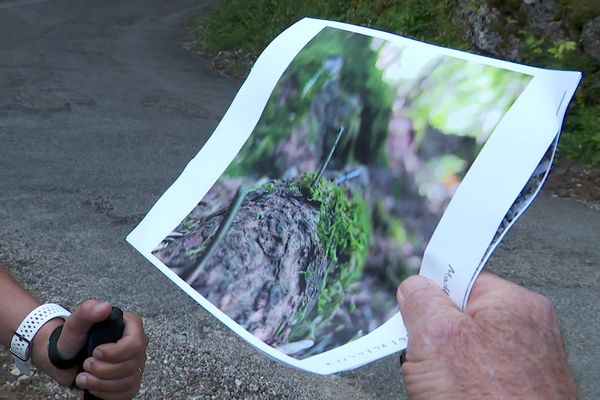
x,y
336,193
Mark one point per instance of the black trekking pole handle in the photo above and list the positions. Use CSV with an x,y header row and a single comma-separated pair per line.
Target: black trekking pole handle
x,y
108,331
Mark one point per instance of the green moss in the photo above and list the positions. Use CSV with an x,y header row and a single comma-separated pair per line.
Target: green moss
x,y
269,187
344,231
194,252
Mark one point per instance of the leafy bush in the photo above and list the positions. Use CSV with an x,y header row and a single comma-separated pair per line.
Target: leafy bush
x,y
581,140
581,137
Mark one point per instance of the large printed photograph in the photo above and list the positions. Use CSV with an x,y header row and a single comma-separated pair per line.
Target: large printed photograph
x,y
333,198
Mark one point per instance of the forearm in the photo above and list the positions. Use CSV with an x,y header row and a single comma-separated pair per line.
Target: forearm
x,y
17,304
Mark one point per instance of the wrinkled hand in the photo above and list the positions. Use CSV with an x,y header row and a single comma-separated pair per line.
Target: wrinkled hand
x,y
114,371
507,343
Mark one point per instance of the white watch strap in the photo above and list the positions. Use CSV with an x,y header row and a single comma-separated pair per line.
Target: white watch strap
x,y
20,345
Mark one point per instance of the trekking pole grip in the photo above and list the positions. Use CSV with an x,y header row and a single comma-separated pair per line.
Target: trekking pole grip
x,y
108,331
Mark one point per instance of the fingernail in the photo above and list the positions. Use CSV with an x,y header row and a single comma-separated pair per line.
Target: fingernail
x,y
81,380
97,354
87,365
399,296
98,307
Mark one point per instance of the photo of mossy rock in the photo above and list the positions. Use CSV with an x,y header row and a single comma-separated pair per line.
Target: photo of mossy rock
x,y
333,198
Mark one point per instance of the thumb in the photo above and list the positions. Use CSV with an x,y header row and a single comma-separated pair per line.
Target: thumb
x,y
76,327
421,302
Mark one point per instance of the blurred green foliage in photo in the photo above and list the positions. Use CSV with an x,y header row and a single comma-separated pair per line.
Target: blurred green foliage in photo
x,y
248,26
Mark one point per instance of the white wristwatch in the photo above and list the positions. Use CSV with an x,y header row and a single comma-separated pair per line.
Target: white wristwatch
x,y
20,345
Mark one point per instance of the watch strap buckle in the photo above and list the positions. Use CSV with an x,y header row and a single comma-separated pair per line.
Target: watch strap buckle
x,y
27,348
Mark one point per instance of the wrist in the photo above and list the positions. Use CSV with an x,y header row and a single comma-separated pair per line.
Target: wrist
x,y
21,344
64,377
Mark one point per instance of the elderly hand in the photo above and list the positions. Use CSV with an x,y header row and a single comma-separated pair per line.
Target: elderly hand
x,y
506,344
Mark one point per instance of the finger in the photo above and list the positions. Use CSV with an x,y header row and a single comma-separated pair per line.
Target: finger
x,y
107,371
75,331
487,282
124,388
492,294
495,290
131,345
422,302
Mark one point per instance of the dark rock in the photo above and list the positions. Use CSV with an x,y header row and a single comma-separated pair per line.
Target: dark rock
x,y
479,20
500,28
543,18
590,38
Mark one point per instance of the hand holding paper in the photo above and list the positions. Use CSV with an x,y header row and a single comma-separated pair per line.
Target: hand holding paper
x,y
506,344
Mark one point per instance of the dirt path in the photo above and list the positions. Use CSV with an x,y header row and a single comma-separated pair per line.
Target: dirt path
x,y
572,180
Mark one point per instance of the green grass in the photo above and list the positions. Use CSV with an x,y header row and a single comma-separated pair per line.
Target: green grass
x,y
248,26
251,25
